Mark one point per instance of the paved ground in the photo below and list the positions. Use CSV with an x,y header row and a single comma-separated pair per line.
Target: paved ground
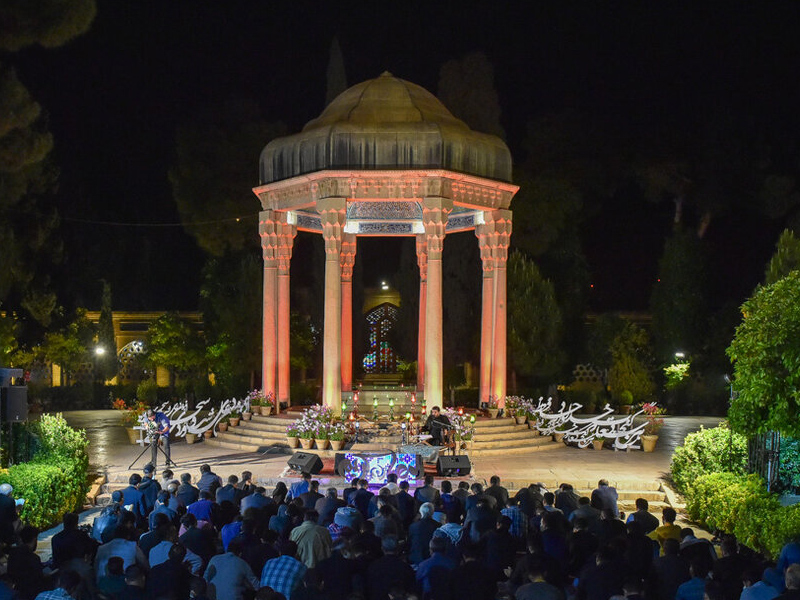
x,y
111,454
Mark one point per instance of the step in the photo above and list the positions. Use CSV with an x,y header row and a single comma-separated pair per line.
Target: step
x,y
514,434
537,443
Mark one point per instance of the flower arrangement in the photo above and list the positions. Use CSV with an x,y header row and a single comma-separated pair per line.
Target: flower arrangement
x,y
463,425
653,420
291,430
258,398
513,405
494,401
314,420
131,413
337,432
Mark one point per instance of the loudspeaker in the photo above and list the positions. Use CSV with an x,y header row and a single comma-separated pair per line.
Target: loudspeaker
x,y
453,466
14,404
306,461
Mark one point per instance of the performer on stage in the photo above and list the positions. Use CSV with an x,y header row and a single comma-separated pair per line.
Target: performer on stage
x,y
158,433
436,425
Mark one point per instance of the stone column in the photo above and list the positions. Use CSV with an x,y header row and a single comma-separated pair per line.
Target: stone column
x,y
286,234
267,229
332,213
348,259
502,228
422,262
485,234
434,217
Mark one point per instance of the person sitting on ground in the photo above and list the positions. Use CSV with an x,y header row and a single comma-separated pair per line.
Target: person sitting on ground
x,y
314,542
203,509
230,574
754,587
461,494
497,491
406,505
792,582
69,583
170,578
279,493
387,521
124,545
209,481
346,492
257,500
198,541
133,499
187,493
327,506
229,491
285,573
389,571
149,488
602,579
299,487
498,548
694,589
519,522
537,587
433,573
25,568
648,521
71,542
587,512
167,477
605,496
246,485
668,530
427,493
162,507
566,499
667,572
694,548
160,552
310,497
361,499
479,520
477,495
113,582
420,534
391,483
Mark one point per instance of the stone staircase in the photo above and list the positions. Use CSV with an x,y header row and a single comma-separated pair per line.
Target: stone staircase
x,y
493,437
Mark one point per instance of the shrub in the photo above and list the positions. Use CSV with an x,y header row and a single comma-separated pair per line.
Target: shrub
x,y
707,451
741,505
55,480
147,391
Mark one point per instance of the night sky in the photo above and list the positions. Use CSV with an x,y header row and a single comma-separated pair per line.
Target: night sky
x,y
116,94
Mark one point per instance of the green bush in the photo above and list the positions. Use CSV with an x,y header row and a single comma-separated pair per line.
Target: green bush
x,y
147,391
708,451
55,480
789,473
741,505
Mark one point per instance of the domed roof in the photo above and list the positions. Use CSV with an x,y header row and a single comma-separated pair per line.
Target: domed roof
x,y
386,123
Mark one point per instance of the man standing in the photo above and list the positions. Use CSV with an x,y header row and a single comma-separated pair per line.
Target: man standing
x,y
158,432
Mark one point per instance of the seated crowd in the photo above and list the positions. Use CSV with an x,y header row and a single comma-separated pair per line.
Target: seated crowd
x,y
175,540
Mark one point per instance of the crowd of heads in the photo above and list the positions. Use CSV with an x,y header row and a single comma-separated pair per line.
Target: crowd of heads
x,y
176,538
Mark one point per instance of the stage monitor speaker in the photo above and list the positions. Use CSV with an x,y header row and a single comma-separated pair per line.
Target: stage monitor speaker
x,y
306,461
453,466
14,404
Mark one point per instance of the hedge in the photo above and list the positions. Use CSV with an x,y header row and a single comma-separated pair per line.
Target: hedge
x,y
708,451
741,505
55,480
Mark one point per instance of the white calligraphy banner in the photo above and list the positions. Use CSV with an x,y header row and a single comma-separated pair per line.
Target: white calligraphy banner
x,y
196,421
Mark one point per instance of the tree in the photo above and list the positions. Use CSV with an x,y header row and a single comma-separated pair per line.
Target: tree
x,y
786,258
25,144
534,322
8,338
631,364
766,359
466,88
678,301
174,344
601,339
107,362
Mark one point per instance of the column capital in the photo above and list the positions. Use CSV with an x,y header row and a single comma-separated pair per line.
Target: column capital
x,y
268,232
422,256
348,255
502,238
435,212
333,214
286,233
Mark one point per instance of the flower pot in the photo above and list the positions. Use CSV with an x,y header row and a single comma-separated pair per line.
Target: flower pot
x,y
493,412
292,441
306,443
133,434
222,426
337,445
559,437
649,442
208,434
625,409
321,444
191,438
234,422
598,444
246,416
265,410
520,419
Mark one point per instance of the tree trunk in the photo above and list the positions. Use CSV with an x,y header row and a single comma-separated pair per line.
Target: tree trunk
x,y
704,223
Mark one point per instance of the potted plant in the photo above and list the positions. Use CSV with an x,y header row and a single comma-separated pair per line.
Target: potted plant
x,y
625,402
492,406
223,424
247,414
598,442
292,436
208,434
321,437
336,436
261,403
234,419
560,431
306,437
652,425
131,415
191,438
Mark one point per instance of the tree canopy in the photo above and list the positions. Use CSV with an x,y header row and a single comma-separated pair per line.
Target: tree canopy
x,y
766,359
786,258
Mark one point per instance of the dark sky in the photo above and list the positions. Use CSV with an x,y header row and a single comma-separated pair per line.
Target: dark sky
x,y
116,95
